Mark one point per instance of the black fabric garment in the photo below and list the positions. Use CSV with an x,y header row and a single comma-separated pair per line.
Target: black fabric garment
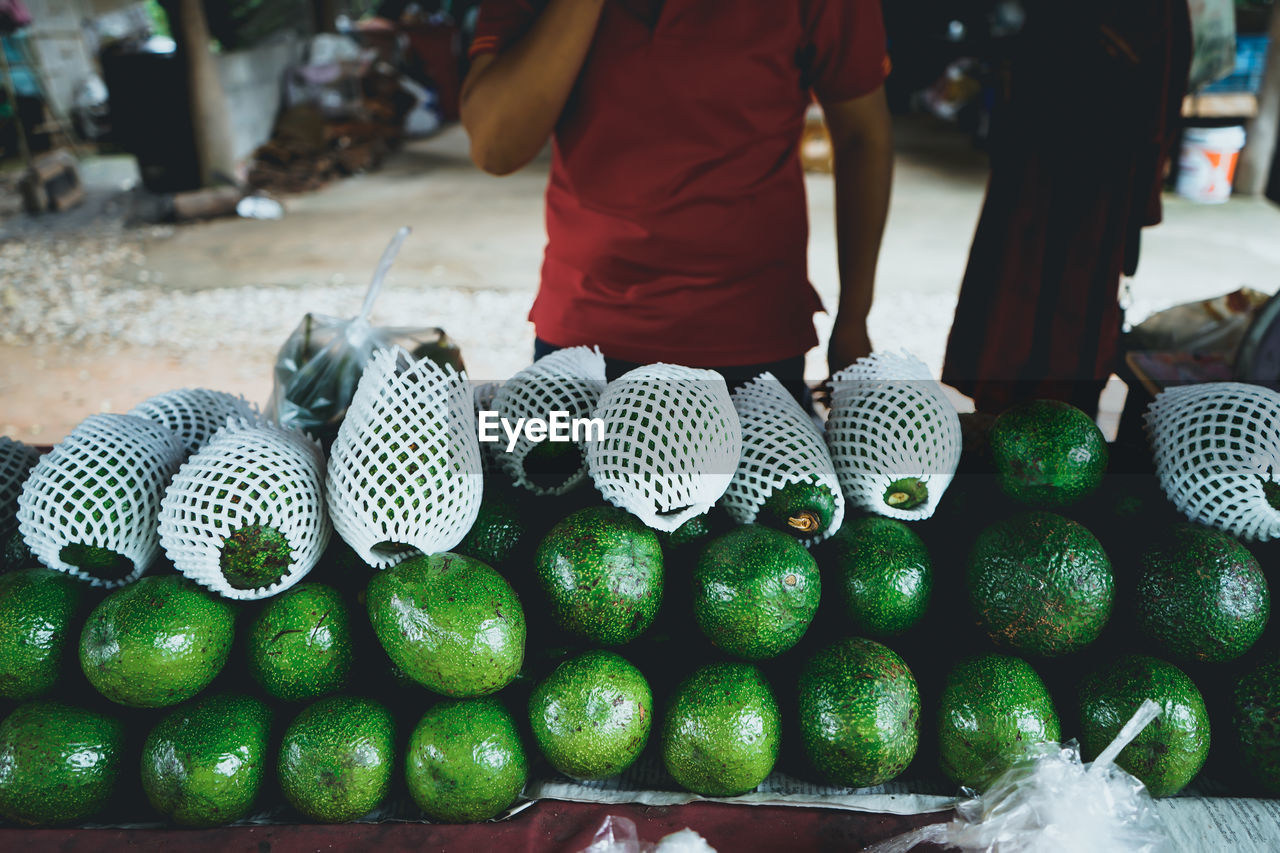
x,y
1077,162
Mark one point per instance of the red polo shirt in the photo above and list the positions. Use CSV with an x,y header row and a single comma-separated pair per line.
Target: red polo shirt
x,y
676,221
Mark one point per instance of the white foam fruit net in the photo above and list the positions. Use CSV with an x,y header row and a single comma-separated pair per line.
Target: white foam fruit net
x,y
671,443
101,486
1217,454
16,461
568,380
195,414
780,446
404,473
889,421
249,473
482,396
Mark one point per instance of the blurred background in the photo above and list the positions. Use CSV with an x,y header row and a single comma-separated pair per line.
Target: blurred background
x,y
181,181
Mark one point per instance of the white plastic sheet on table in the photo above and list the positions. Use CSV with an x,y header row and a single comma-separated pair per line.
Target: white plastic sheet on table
x,y
1215,445
568,380
249,473
16,461
129,460
404,474
671,443
780,446
195,414
890,420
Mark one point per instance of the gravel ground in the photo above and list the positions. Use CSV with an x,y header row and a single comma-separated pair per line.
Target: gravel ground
x,y
94,291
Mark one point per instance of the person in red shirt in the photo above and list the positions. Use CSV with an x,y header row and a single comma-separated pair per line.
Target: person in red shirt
x,y
676,219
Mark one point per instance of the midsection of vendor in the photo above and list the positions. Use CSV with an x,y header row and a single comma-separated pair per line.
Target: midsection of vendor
x,y
676,214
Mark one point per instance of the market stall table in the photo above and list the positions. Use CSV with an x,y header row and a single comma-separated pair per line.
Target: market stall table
x,y
545,827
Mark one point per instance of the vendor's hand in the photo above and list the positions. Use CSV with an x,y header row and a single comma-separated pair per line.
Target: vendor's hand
x,y
849,342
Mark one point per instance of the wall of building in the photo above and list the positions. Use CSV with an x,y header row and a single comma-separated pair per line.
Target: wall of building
x,y
252,82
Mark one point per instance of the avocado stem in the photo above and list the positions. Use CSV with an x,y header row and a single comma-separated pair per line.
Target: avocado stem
x,y
907,493
806,521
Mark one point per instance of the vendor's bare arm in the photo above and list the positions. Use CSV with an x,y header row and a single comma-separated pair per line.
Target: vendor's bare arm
x,y
512,100
863,148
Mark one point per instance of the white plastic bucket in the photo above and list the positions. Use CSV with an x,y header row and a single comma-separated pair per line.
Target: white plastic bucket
x,y
1207,164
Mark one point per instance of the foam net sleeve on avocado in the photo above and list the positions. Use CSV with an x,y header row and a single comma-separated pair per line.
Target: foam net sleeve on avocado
x,y
779,446
1217,455
404,474
16,461
249,474
892,433
671,443
195,414
100,487
567,380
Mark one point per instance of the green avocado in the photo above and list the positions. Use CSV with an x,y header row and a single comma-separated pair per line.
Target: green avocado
x,y
992,709
1201,596
755,591
1255,722
859,710
1047,453
883,574
804,509
450,622
101,563
549,464
1170,751
254,556
591,716
299,645
95,561
156,642
58,763
602,572
337,757
14,553
38,612
721,731
203,764
1040,583
465,761
693,531
497,530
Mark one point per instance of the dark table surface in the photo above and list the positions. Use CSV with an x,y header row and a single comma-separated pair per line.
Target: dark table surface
x,y
545,827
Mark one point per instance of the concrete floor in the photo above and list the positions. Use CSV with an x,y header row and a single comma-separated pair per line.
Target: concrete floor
x,y
472,262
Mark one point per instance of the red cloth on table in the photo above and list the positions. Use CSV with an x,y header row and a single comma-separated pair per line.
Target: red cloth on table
x,y
676,221
1076,170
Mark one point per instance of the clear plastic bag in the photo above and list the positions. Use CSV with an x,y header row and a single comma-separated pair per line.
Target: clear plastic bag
x,y
618,835
320,364
1050,801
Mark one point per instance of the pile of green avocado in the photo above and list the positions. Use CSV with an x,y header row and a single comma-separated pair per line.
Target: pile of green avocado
x,y
1051,593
